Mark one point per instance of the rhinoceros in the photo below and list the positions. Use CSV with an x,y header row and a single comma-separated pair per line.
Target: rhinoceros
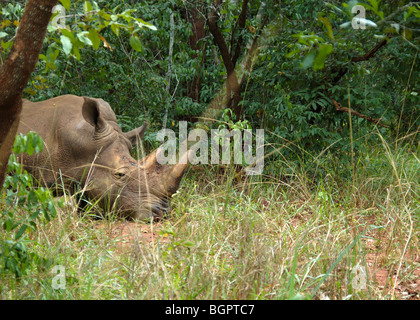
x,y
83,143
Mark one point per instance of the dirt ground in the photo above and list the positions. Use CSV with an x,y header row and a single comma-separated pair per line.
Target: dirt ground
x,y
127,233
407,285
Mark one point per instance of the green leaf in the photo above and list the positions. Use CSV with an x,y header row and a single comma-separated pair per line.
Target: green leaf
x,y
66,43
375,5
94,37
334,7
327,25
141,23
34,215
66,4
95,6
292,53
410,11
83,37
135,43
76,52
115,27
104,15
30,148
407,34
8,224
323,52
20,232
309,60
3,34
87,6
67,33
6,45
52,55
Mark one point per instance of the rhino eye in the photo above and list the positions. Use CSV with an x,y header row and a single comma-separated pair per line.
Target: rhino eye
x,y
120,174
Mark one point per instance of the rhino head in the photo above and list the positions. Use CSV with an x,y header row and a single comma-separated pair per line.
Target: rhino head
x,y
84,143
139,189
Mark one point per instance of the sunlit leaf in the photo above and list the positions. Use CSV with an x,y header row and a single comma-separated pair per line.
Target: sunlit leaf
x,y
83,37
327,25
323,52
67,33
66,4
94,37
66,43
135,43
142,24
87,6
309,60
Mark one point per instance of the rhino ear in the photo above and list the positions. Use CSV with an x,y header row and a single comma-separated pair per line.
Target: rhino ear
x,y
90,112
136,135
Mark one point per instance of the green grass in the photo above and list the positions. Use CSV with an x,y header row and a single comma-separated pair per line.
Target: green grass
x,y
245,239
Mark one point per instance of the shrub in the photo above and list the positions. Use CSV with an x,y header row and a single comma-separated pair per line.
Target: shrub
x,y
24,206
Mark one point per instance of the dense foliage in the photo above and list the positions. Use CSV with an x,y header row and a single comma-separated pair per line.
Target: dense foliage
x,y
34,204
157,61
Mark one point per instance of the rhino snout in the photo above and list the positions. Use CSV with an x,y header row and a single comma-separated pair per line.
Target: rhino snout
x,y
160,209
156,211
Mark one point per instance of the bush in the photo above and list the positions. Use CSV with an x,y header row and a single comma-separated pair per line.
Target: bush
x,y
24,206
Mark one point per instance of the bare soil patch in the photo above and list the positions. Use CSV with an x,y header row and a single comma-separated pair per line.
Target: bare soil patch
x,y
127,234
383,264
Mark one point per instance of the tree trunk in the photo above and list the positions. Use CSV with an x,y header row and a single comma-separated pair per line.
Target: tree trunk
x,y
169,74
231,57
233,93
16,71
198,23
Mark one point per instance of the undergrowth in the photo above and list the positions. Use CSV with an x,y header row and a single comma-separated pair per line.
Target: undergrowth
x,y
232,236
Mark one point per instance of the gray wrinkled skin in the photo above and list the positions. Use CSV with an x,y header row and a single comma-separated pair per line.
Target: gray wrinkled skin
x,y
84,143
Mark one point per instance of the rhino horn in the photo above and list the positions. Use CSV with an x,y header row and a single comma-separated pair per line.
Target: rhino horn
x,y
178,170
173,174
170,175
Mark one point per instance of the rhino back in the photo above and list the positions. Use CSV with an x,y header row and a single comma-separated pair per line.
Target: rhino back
x,y
67,137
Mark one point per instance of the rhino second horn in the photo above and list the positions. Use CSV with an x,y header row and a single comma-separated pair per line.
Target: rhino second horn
x,y
150,160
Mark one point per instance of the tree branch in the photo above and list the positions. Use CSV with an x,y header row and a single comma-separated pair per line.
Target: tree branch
x,y
241,24
218,38
340,108
363,57
252,49
370,53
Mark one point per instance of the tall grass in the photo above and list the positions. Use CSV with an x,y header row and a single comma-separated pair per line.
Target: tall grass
x,y
245,238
